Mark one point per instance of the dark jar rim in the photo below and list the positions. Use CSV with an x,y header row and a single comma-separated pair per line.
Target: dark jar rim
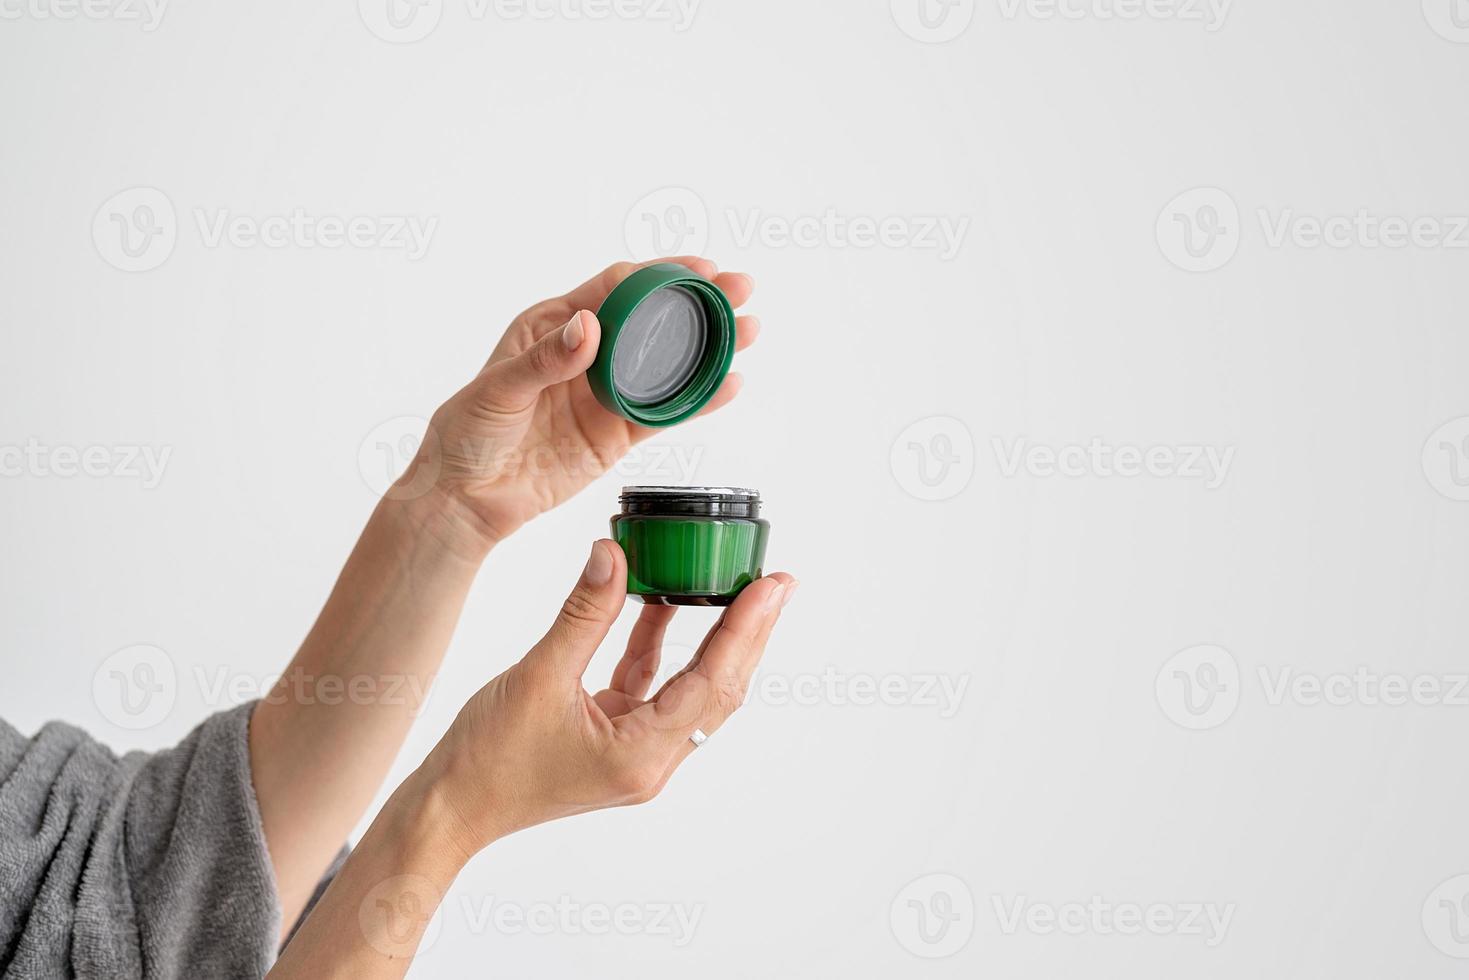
x,y
735,502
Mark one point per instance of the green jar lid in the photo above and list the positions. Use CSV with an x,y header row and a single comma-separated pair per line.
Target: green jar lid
x,y
668,339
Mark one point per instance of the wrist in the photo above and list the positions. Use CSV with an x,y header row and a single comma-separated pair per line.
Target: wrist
x,y
459,791
443,519
427,829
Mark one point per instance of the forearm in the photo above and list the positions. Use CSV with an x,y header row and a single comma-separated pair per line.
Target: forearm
x,y
370,922
323,740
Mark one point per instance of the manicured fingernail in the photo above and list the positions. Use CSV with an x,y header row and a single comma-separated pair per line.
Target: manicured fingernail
x,y
572,334
599,566
776,598
790,592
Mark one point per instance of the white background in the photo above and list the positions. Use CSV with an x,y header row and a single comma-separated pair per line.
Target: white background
x,y
1072,767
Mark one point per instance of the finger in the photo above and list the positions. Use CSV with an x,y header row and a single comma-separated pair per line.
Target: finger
x,y
590,294
586,615
614,703
513,384
734,382
709,690
741,608
694,660
747,328
738,286
728,389
634,673
730,679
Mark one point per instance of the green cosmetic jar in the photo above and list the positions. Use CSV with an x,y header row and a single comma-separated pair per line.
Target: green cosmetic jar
x,y
668,339
690,546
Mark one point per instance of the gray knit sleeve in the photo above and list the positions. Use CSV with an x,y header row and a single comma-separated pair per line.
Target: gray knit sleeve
x,y
149,865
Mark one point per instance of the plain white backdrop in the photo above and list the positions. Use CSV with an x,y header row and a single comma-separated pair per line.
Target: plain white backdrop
x,y
1110,405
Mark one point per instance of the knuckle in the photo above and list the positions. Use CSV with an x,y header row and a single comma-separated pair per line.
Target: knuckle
x,y
492,393
542,358
637,781
616,272
580,611
729,695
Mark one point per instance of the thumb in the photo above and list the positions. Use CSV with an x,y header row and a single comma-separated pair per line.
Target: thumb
x,y
512,385
587,614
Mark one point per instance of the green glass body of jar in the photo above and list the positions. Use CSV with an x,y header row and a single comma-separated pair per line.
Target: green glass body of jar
x,y
690,546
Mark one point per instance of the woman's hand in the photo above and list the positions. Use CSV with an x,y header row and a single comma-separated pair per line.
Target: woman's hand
x,y
527,432
533,745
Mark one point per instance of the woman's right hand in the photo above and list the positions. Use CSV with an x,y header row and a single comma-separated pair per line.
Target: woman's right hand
x,y
533,745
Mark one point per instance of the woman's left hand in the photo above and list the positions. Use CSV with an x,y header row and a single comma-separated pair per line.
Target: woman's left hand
x,y
527,432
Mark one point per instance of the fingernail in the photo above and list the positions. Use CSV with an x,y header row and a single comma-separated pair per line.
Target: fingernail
x,y
776,598
572,334
790,592
599,566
